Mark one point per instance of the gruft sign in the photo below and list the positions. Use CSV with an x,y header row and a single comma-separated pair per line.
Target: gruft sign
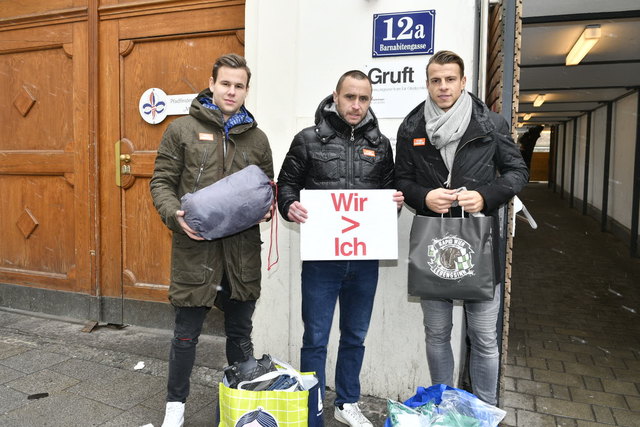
x,y
349,224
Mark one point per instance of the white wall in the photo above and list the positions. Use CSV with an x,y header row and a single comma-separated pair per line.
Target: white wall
x,y
581,155
596,168
623,143
621,166
568,147
297,51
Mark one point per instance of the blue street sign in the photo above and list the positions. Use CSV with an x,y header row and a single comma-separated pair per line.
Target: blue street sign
x,y
403,33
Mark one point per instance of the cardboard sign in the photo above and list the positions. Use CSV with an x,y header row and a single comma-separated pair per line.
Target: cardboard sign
x,y
349,225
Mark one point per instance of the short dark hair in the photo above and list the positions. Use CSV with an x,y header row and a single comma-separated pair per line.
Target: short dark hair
x,y
354,74
443,57
230,60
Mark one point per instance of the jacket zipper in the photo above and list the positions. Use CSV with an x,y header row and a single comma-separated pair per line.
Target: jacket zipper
x,y
350,165
204,159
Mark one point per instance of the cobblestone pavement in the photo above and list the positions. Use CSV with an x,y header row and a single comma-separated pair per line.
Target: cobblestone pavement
x,y
574,341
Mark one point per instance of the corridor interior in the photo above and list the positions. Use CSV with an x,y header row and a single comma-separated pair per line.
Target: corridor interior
x,y
574,329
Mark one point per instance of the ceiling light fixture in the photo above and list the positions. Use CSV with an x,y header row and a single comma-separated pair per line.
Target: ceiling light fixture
x,y
527,116
538,101
585,42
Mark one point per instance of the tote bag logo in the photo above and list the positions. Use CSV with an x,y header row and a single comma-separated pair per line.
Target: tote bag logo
x,y
257,418
450,258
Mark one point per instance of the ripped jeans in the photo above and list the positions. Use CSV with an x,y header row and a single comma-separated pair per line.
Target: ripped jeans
x,y
189,320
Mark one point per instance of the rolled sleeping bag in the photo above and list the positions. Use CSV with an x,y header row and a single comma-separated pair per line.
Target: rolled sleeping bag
x,y
230,205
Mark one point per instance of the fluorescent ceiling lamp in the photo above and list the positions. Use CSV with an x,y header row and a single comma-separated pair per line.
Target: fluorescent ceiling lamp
x,y
585,42
538,101
527,116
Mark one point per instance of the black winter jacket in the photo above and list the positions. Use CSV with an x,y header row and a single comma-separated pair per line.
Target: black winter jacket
x,y
335,155
487,160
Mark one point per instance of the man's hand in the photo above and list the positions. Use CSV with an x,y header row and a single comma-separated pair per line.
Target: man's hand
x,y
297,213
188,230
471,201
440,199
398,198
268,215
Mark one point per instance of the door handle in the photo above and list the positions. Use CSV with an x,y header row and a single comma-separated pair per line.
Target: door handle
x,y
124,179
122,164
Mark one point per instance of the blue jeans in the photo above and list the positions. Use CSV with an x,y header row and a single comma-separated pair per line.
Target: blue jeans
x,y
484,360
354,284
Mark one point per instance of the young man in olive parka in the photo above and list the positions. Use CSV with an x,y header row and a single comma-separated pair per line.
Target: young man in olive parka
x,y
217,138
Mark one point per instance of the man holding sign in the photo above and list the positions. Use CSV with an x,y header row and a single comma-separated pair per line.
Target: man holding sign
x,y
345,150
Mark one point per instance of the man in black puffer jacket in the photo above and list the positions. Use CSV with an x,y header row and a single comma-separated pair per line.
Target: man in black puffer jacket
x,y
453,151
344,150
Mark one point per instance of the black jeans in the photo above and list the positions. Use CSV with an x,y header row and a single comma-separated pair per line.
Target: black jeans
x,y
189,320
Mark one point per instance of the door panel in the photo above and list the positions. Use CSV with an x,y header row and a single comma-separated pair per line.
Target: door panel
x,y
178,64
71,75
44,215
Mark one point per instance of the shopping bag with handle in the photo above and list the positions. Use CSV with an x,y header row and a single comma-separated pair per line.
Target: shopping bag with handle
x,y
296,402
451,258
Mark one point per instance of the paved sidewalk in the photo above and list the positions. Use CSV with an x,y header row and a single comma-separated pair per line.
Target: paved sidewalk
x,y
90,378
574,344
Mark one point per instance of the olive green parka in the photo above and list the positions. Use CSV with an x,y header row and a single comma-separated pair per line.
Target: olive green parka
x,y
190,157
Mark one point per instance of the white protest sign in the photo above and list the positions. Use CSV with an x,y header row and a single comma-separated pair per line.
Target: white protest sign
x,y
349,224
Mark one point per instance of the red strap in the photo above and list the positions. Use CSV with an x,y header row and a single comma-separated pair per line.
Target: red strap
x,y
274,219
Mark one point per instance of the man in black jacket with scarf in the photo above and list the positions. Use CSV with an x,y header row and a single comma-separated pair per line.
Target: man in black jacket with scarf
x,y
344,150
452,151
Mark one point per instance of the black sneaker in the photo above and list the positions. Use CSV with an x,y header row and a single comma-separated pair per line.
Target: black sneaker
x,y
248,370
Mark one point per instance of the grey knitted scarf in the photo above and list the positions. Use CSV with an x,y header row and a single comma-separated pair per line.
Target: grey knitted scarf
x,y
445,129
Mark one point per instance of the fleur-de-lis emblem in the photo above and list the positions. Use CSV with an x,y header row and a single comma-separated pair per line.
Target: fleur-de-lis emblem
x,y
152,107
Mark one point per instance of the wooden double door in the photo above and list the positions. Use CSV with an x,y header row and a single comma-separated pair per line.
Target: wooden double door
x,y
75,154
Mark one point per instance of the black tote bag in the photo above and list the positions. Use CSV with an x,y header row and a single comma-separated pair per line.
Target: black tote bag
x,y
451,258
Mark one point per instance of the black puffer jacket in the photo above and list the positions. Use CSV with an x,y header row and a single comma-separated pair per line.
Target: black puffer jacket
x,y
487,160
335,155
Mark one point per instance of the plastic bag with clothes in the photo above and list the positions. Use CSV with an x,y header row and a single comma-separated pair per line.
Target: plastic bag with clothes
x,y
443,406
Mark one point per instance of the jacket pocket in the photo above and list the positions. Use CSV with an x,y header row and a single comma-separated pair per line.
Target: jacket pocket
x,y
371,165
325,166
250,247
188,260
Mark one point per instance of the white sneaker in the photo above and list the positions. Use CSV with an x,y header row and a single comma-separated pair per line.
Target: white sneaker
x,y
351,415
174,415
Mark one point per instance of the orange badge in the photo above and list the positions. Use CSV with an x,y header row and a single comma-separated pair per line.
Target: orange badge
x,y
369,153
205,136
419,141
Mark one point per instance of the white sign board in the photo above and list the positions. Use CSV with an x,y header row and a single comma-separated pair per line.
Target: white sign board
x,y
397,86
349,225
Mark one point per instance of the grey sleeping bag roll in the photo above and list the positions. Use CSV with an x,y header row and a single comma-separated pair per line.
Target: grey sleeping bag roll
x,y
230,205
